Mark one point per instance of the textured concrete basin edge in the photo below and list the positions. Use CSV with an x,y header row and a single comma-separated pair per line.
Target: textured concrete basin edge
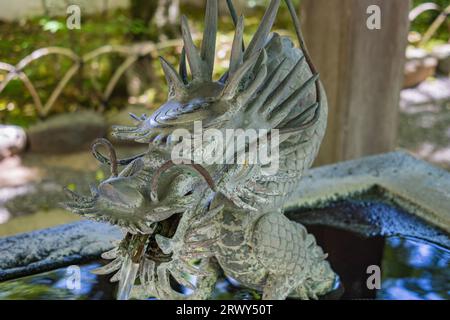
x,y
47,249
414,185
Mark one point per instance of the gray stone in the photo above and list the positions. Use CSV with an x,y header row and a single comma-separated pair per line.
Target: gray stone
x,y
413,185
442,53
12,140
428,92
66,132
419,66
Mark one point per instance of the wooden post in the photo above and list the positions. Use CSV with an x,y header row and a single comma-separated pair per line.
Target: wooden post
x,y
362,71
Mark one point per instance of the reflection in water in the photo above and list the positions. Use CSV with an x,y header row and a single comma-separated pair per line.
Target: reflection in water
x,y
411,269
415,270
60,284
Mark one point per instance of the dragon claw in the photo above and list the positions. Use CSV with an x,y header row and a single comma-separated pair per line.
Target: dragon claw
x,y
109,268
111,255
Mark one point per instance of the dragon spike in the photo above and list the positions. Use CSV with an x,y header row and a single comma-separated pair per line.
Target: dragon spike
x,y
237,56
234,82
192,54
263,31
208,52
176,85
183,67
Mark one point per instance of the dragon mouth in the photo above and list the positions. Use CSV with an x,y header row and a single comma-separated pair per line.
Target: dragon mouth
x,y
99,208
116,203
123,201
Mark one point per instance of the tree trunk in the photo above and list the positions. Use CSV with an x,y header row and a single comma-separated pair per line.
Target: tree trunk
x,y
362,71
162,18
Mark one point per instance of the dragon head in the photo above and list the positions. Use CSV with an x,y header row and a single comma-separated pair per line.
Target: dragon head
x,y
199,97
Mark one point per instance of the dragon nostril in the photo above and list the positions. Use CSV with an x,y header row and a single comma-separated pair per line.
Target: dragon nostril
x,y
118,192
108,191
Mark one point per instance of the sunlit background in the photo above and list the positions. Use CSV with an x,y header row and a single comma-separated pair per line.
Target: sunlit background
x,y
52,105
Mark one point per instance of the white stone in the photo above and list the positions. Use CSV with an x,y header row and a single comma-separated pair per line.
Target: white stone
x,y
13,139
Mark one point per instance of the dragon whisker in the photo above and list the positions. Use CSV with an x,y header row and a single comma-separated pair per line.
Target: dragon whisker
x,y
123,129
135,117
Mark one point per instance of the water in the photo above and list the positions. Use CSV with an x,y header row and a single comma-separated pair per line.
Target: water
x,y
410,269
415,271
60,284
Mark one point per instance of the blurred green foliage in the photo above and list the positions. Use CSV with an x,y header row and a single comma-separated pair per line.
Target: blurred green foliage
x,y
423,22
114,27
20,38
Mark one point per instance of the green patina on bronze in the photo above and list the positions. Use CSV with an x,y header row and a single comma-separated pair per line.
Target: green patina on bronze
x,y
196,220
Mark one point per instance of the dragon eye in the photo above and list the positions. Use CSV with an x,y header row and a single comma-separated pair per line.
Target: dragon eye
x,y
191,107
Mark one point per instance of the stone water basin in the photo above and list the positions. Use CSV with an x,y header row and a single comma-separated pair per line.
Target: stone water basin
x,y
388,211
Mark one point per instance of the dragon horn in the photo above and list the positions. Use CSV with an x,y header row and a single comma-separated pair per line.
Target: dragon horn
x,y
263,31
237,56
176,85
208,52
192,54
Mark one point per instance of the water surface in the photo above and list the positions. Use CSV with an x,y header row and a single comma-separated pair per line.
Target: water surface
x,y
411,269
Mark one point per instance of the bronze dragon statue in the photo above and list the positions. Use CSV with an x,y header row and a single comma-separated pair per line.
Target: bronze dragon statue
x,y
186,221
